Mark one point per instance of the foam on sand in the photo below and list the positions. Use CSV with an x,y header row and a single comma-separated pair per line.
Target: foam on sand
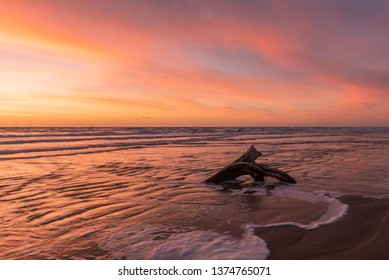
x,y
335,208
158,243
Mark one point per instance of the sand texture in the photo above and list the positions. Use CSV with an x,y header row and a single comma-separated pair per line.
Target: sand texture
x,y
361,234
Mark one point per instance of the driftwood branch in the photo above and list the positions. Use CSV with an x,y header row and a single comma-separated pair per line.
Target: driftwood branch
x,y
250,155
246,165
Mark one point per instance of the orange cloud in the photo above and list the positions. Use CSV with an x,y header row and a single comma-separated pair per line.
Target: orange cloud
x,y
191,63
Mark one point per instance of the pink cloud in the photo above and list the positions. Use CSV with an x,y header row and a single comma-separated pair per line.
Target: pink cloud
x,y
272,62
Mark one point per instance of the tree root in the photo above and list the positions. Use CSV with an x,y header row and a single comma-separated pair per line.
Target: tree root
x,y
246,165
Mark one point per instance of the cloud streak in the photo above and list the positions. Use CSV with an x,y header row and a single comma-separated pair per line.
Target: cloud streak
x,y
203,63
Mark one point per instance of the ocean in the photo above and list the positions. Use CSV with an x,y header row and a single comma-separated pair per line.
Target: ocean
x,y
139,193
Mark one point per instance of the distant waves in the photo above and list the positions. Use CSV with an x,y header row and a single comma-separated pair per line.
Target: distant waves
x,y
24,143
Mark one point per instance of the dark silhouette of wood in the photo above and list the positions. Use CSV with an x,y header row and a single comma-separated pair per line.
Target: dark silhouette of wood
x,y
250,155
246,165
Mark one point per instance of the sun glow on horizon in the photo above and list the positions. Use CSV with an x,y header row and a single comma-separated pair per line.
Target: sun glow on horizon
x,y
194,63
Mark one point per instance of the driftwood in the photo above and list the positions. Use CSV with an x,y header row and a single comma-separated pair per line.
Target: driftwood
x,y
246,165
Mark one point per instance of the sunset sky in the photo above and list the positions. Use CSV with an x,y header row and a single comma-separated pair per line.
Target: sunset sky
x,y
194,63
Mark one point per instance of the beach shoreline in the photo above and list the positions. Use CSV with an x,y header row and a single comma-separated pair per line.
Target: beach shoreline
x,y
360,234
71,194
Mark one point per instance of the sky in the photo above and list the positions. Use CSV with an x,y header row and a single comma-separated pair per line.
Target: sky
x,y
194,63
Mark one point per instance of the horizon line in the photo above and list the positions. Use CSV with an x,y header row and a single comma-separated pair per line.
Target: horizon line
x,y
92,126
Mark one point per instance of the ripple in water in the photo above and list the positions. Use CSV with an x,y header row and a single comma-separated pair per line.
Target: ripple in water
x,y
138,193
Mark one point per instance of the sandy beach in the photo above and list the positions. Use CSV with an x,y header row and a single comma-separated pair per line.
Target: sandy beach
x,y
361,234
117,193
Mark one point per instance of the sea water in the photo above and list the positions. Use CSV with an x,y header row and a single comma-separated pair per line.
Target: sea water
x,y
138,193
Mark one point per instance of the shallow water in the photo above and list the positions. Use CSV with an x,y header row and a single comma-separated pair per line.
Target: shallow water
x,y
137,193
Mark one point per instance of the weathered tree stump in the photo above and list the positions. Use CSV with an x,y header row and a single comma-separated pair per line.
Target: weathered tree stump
x,y
246,165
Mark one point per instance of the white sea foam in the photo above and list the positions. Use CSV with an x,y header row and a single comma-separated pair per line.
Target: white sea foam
x,y
147,243
335,208
113,177
158,243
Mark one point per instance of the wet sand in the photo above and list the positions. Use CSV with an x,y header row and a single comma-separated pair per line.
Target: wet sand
x,y
137,193
361,234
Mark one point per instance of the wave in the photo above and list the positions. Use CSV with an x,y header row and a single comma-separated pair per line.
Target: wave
x,y
43,142
335,209
140,195
159,243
